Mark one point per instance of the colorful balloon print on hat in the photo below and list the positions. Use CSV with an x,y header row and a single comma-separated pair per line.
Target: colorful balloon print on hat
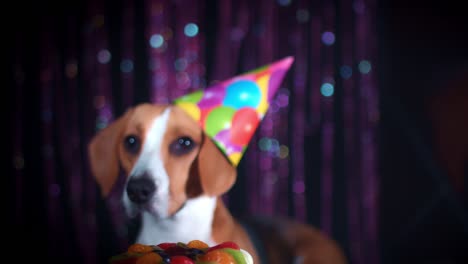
x,y
230,111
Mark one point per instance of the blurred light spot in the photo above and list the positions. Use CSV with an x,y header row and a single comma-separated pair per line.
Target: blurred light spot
x,y
183,80
100,123
328,38
71,70
167,33
237,34
264,144
298,187
271,178
99,101
191,30
161,80
327,89
284,2
98,21
274,145
302,15
364,67
154,64
46,116
126,65
180,64
156,8
359,7
104,56
282,100
191,56
346,71
18,162
156,41
54,190
258,29
274,107
197,81
47,151
106,113
283,152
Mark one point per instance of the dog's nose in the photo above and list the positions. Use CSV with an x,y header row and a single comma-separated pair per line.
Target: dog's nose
x,y
140,190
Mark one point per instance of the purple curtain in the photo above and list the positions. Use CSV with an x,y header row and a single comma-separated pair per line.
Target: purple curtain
x,y
313,157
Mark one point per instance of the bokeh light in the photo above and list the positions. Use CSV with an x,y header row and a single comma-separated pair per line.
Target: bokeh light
x,y
126,65
302,15
18,162
46,116
104,56
167,33
99,101
54,190
183,80
283,152
71,70
180,64
237,34
191,30
328,38
47,151
327,89
346,71
264,144
154,64
98,21
101,122
282,100
359,7
156,41
298,187
284,2
364,66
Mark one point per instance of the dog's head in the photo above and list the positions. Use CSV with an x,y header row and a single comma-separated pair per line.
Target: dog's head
x,y
166,157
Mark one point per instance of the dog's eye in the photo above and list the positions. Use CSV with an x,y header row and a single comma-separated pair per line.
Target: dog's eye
x,y
181,146
132,144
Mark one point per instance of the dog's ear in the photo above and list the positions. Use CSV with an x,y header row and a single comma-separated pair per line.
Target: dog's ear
x,y
215,172
103,154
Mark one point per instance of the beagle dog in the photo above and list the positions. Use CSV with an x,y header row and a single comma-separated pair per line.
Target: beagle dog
x,y
175,178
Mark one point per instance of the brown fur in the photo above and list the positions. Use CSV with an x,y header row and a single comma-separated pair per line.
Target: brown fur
x,y
207,171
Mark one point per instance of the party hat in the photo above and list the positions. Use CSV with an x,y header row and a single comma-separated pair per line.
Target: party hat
x,y
230,111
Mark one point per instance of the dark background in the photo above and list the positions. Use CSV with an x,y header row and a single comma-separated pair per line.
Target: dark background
x,y
424,131
423,54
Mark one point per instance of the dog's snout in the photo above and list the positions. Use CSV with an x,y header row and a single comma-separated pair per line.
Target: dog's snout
x,y
140,190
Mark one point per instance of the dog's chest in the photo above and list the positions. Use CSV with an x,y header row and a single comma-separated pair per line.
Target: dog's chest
x,y
194,221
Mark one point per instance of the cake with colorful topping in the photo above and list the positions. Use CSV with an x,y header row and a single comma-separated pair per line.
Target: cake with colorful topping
x,y
194,252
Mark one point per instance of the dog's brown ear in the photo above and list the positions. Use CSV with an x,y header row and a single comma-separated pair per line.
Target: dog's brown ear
x,y
215,172
103,154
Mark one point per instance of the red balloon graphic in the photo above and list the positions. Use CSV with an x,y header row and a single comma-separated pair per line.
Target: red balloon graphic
x,y
244,124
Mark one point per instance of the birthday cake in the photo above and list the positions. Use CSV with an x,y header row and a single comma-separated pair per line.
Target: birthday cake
x,y
194,252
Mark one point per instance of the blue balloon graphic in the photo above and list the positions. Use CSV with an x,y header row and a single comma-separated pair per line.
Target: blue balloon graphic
x,y
243,93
